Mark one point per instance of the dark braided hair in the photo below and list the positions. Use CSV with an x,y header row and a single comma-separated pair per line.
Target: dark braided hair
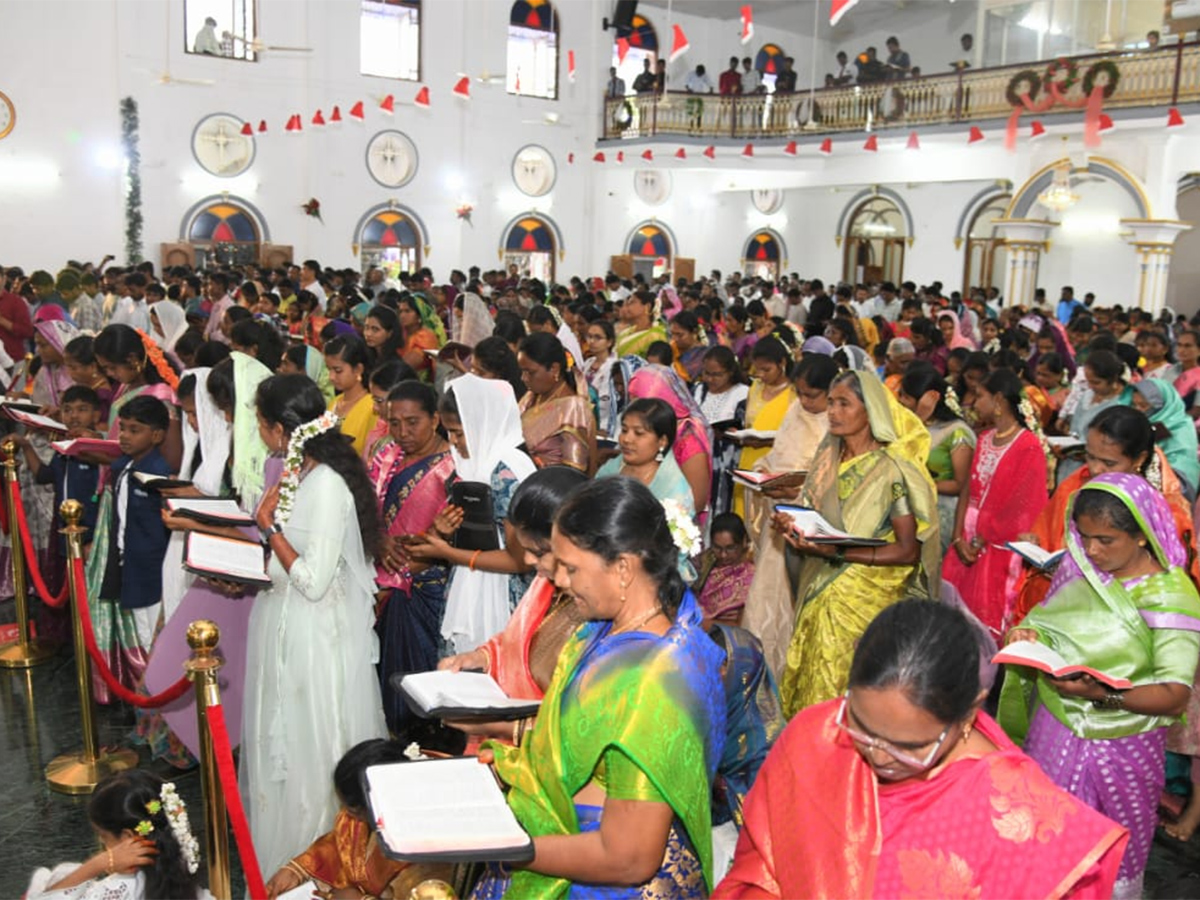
x,y
293,400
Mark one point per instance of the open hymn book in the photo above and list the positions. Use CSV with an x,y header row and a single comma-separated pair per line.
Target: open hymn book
x,y
1035,555
462,695
1043,658
816,528
225,559
444,810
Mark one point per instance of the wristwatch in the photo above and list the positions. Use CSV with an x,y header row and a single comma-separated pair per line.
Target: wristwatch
x,y
265,534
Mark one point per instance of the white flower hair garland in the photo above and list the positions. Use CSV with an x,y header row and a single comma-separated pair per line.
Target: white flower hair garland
x,y
294,461
176,813
683,530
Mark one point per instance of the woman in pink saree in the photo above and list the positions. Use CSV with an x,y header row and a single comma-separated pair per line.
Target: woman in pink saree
x,y
693,437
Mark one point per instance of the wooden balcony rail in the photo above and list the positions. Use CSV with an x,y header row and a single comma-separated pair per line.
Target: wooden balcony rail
x,y
1163,77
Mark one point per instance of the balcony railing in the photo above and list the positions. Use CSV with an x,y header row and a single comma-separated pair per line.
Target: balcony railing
x,y
1163,77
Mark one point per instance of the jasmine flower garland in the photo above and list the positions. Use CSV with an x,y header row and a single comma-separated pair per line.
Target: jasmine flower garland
x,y
294,461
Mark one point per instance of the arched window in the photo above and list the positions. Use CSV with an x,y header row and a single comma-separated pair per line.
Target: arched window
x,y
985,262
769,63
530,245
224,232
533,49
650,247
875,239
390,39
763,255
390,238
642,43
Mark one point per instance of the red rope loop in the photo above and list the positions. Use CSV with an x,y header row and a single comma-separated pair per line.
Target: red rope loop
x,y
170,695
31,566
233,802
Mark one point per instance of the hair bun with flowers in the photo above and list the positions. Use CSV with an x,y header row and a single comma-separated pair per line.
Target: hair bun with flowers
x,y
155,357
170,803
294,461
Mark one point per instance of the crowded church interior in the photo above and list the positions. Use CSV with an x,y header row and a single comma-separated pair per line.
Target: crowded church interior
x,y
599,449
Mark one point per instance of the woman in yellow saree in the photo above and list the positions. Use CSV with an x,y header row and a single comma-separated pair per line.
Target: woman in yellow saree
x,y
771,396
869,479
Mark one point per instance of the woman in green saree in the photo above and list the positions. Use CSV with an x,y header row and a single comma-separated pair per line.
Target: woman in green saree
x,y
868,478
642,327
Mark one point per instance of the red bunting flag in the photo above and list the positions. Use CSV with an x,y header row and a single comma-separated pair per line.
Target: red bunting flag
x,y
1036,129
681,153
388,105
620,156
975,136
421,101
599,157
622,49
872,144
826,146
648,155
336,115
1174,117
247,129
318,119
710,152
1106,122
747,24
679,45
293,124
839,9
748,151
463,88
356,111
571,66
570,159
262,126
914,143
790,149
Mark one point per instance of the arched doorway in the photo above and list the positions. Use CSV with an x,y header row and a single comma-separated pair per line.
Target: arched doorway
x,y
224,231
764,255
1183,283
876,235
651,248
769,63
390,237
530,243
533,49
986,259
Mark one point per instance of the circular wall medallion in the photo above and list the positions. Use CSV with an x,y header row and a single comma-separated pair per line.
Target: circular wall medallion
x,y
392,159
534,171
8,115
768,200
220,147
652,186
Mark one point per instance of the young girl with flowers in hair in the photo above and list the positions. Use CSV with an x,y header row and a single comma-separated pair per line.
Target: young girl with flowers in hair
x,y
132,359
149,852
311,688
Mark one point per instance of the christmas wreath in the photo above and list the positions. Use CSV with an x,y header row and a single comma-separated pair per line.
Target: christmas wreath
x,y
1106,66
622,116
1071,77
1024,77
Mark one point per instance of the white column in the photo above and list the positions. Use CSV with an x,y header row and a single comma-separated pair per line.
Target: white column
x,y
1024,242
1154,241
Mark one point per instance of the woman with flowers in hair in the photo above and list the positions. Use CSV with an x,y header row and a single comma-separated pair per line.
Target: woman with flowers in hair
x,y
132,359
556,418
311,691
642,328
1007,492
422,330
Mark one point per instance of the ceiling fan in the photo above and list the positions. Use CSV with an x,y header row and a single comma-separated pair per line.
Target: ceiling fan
x,y
550,118
486,77
256,46
166,79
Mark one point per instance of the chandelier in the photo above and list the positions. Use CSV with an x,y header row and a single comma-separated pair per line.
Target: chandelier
x,y
1059,196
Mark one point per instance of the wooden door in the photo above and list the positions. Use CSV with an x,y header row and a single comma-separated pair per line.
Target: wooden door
x,y
621,266
275,256
176,254
684,268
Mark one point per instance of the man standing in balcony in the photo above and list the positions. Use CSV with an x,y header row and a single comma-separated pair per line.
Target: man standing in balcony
x,y
660,77
751,80
616,86
785,83
697,82
898,62
843,75
644,83
870,69
730,82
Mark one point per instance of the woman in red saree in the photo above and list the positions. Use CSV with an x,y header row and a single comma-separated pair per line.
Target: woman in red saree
x,y
1006,492
906,789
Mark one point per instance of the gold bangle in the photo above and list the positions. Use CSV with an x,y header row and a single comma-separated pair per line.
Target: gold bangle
x,y
516,735
112,866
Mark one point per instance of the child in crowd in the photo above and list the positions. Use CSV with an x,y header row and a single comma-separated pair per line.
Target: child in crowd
x,y
79,357
660,352
349,856
148,847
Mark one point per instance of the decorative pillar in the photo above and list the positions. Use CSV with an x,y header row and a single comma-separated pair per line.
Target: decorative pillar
x,y
1024,242
1154,241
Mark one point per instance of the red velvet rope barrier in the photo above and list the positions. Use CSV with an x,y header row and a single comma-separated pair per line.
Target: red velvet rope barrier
x,y
31,565
233,803
170,695
3,511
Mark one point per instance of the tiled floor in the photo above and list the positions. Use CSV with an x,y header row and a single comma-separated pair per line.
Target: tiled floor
x,y
39,719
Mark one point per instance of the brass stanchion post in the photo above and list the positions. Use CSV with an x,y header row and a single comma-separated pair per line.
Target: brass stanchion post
x,y
80,772
24,651
203,636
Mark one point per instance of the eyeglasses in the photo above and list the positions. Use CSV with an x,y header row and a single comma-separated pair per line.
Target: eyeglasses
x,y
874,743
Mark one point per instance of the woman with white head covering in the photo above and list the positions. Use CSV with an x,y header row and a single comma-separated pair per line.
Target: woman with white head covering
x,y
168,322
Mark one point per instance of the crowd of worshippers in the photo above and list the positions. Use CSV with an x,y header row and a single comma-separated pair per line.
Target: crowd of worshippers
x,y
753,543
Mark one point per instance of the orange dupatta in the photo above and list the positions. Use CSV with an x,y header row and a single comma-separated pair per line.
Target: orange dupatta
x,y
508,651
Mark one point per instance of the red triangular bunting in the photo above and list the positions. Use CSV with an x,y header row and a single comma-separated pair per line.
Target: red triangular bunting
x,y
462,88
748,151
872,144
747,24
1174,117
356,111
790,149
262,126
679,44
293,124
388,105
839,9
570,159
710,152
620,156
318,119
1106,122
247,129
975,136
1036,129
422,98
826,146
648,155
571,66
622,49
599,157
336,115
914,142
681,153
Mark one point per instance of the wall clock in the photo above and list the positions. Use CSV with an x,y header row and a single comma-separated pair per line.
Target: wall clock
x,y
652,186
534,171
8,115
392,159
220,147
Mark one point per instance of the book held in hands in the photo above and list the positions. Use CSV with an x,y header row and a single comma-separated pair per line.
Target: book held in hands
x,y
1035,555
82,446
160,482
443,694
756,481
209,511
225,559
814,527
444,810
1045,659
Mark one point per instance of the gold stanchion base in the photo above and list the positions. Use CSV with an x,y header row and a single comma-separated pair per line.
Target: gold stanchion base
x,y
72,774
15,656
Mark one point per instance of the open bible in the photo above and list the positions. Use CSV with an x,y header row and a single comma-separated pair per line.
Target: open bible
x,y
160,482
1035,555
1046,659
210,511
813,526
462,695
444,810
756,481
225,559
79,446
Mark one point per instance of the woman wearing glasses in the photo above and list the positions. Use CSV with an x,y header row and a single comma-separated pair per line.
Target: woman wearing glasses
x,y
905,788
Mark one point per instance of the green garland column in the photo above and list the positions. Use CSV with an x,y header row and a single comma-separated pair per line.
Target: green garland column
x,y
133,181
